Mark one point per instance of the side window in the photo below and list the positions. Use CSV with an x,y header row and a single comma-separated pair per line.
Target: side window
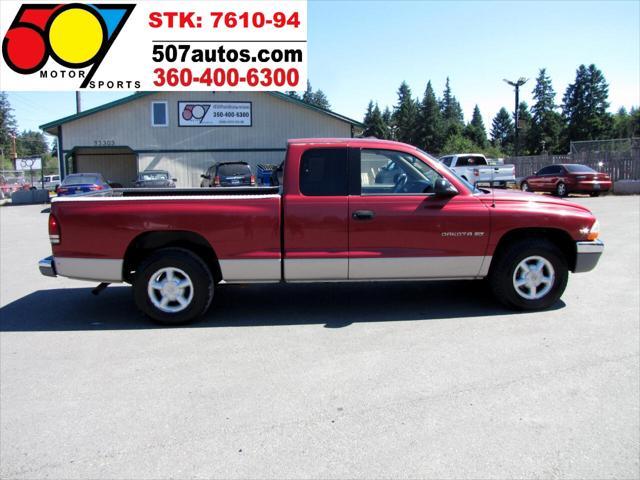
x,y
447,161
556,170
544,171
385,172
323,172
159,114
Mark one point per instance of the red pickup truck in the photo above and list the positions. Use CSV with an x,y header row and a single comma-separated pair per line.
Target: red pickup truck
x,y
346,210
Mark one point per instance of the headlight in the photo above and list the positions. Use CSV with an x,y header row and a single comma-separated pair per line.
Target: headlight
x,y
594,231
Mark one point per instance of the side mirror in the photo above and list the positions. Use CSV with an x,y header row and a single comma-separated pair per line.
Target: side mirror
x,y
206,177
174,180
443,188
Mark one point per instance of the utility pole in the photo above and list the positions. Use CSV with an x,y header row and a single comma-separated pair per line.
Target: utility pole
x,y
14,152
517,84
78,102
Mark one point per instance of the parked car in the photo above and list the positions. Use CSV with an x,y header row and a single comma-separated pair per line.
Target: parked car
x,y
51,182
77,183
228,174
475,169
154,179
563,179
332,221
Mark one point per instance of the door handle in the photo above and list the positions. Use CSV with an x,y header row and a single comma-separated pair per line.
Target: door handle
x,y
363,215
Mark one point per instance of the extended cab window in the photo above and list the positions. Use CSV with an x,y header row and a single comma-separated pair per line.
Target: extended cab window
x,y
323,172
447,161
384,172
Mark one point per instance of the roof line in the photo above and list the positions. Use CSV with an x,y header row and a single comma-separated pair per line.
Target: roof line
x,y
138,95
97,109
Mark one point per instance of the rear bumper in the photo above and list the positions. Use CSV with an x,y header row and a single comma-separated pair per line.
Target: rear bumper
x,y
590,186
587,255
47,267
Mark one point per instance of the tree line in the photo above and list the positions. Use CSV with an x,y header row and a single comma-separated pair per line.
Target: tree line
x,y
437,124
28,143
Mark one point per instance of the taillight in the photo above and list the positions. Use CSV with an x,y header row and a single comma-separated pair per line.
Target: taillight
x,y
476,172
253,180
54,230
93,188
216,181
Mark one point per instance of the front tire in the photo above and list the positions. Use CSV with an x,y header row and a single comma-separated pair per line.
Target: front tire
x,y
529,275
173,286
561,190
525,187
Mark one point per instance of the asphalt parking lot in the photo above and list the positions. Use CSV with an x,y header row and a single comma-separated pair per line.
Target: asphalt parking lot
x,y
408,380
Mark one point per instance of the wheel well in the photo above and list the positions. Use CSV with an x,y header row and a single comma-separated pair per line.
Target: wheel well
x,y
559,238
145,244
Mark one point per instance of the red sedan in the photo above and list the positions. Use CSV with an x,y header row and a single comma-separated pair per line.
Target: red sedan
x,y
563,179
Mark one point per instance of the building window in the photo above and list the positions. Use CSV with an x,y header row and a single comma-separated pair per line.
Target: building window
x,y
159,114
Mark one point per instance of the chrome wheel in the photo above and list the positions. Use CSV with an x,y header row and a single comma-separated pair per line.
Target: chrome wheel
x,y
561,190
524,187
533,278
170,290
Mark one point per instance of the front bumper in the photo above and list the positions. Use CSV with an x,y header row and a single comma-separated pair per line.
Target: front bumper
x,y
47,267
587,255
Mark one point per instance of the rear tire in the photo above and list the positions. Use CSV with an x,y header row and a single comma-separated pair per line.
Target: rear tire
x,y
173,286
529,275
594,194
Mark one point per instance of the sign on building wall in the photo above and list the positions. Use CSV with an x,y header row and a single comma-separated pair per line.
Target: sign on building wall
x,y
214,114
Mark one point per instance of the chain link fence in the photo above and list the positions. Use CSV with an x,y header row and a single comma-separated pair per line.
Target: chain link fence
x,y
619,158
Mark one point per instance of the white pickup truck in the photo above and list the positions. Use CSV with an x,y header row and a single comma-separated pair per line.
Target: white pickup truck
x,y
474,168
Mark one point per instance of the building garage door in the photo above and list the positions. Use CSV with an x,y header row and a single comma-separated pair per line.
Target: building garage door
x,y
117,165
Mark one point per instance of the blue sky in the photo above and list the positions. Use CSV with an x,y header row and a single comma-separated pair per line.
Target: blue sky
x,y
361,50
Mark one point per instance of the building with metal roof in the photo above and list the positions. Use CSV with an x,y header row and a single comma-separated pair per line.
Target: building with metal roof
x,y
186,132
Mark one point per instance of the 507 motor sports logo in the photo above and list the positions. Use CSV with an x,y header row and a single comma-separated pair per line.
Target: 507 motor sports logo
x,y
250,45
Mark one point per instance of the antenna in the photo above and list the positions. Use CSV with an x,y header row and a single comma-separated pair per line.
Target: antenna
x,y
492,188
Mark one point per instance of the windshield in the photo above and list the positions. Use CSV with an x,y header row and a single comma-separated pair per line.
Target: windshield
x,y
471,187
81,179
150,176
579,169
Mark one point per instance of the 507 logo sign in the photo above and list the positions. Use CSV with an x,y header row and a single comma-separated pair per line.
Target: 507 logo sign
x,y
75,36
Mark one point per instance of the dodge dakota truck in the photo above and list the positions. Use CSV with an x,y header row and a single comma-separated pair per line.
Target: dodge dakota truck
x,y
342,210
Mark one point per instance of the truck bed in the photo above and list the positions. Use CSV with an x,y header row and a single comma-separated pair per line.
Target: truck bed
x,y
180,192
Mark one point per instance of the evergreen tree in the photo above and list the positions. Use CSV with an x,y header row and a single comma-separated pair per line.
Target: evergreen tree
x,y
316,98
475,130
502,130
584,106
319,99
405,116
622,124
546,125
387,119
307,96
293,94
374,124
430,122
452,117
524,127
7,129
